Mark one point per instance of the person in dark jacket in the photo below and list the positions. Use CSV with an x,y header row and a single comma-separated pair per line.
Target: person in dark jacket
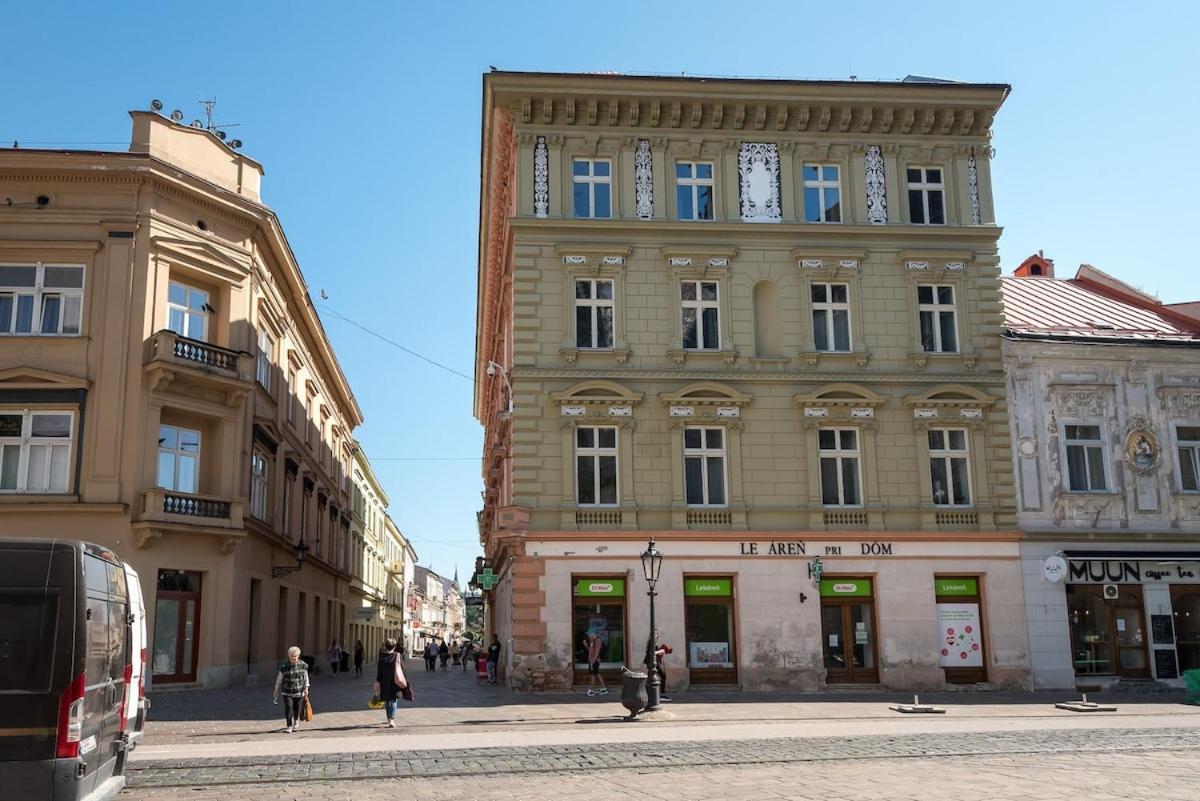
x,y
386,686
444,654
358,657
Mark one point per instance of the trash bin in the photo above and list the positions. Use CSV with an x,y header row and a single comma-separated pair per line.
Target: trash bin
x,y
345,666
633,692
1191,679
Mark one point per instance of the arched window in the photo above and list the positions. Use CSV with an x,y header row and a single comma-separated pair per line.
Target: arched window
x,y
768,338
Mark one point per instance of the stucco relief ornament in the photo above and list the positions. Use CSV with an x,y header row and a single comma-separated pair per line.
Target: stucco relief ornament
x,y
758,169
1141,446
643,180
876,186
541,178
973,188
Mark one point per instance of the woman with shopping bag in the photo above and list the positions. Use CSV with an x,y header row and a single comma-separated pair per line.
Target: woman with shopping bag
x,y
291,682
391,683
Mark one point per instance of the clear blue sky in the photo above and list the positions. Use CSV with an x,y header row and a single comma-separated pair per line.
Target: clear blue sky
x,y
367,122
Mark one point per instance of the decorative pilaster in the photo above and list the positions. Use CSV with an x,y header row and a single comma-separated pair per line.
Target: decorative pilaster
x,y
973,188
643,180
876,186
541,178
758,174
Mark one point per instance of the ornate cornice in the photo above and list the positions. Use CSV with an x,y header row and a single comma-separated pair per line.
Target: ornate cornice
x,y
744,376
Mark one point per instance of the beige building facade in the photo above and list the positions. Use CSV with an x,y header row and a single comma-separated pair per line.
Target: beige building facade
x,y
166,390
759,322
370,557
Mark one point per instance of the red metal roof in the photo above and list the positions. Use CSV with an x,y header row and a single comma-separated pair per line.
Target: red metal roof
x,y
1072,308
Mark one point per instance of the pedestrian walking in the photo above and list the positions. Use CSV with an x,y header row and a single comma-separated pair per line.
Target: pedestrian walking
x,y
594,649
358,657
444,654
291,682
390,681
455,653
493,658
431,651
335,657
661,650
467,652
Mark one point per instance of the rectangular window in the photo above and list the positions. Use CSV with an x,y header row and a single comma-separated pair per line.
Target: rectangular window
x,y
949,472
1188,439
187,311
593,313
840,459
592,181
704,466
41,300
1085,459
35,451
831,317
694,190
178,459
926,196
266,359
260,471
288,481
822,193
939,326
700,315
596,465
293,388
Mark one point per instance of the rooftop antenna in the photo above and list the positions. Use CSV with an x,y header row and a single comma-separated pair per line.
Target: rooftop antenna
x,y
217,130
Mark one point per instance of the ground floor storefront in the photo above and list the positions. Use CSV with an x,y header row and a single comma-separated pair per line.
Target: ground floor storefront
x,y
800,612
1099,615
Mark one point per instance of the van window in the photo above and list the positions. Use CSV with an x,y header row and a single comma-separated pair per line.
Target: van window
x,y
27,644
97,659
96,571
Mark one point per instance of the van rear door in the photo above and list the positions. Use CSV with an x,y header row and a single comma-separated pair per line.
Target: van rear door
x,y
106,654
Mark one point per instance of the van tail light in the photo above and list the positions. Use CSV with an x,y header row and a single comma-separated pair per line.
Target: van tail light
x,y
70,720
125,690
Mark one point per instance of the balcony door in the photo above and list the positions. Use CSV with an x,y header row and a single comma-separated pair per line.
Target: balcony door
x,y
187,311
179,459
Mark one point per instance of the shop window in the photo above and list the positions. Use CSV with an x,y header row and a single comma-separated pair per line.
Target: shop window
x,y
848,638
599,608
1107,636
960,629
1185,603
709,622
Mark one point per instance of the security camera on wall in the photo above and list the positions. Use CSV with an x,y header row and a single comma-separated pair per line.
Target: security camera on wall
x,y
491,370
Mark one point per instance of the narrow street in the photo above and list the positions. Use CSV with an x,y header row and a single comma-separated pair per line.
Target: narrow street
x,y
462,740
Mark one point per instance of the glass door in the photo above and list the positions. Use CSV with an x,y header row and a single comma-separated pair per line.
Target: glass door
x,y
1132,658
598,607
1185,603
709,626
848,636
176,626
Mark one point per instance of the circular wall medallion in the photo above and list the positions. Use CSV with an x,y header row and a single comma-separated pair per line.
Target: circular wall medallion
x,y
1027,447
1054,568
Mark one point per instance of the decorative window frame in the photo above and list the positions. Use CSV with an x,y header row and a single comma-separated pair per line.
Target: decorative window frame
x,y
704,453
1176,445
702,264
592,181
598,403
940,267
693,150
595,262
821,162
966,407
770,209
1106,455
707,404
842,405
24,441
941,158
827,266
39,291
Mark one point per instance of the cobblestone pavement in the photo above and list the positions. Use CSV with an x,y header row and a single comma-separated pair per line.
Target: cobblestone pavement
x,y
1125,775
492,762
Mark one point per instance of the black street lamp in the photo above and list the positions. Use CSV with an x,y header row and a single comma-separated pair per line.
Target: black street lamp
x,y
652,567
301,552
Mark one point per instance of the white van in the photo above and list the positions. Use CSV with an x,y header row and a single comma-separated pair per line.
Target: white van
x,y
136,703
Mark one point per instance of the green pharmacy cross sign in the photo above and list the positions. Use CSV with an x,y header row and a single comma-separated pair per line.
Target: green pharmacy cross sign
x,y
487,579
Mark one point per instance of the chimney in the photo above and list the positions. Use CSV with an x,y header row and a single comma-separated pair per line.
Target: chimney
x,y
1036,266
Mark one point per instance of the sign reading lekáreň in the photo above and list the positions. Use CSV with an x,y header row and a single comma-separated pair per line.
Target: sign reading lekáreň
x,y
707,587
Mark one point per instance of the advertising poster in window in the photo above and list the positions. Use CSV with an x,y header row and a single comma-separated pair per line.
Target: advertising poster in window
x,y
959,635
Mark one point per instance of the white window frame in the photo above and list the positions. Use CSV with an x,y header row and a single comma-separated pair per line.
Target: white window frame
x,y
840,456
829,307
693,184
38,294
266,358
1086,445
699,305
595,453
925,186
1187,449
293,380
26,442
594,304
820,184
704,453
937,309
260,484
176,453
591,180
186,309
947,455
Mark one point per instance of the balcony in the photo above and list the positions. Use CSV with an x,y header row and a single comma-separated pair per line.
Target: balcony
x,y
163,511
202,363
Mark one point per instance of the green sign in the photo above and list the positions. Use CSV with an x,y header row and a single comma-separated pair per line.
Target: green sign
x,y
487,579
955,586
707,587
600,588
840,587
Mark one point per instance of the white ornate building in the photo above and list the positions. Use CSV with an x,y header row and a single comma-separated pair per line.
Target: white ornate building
x,y
1104,389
